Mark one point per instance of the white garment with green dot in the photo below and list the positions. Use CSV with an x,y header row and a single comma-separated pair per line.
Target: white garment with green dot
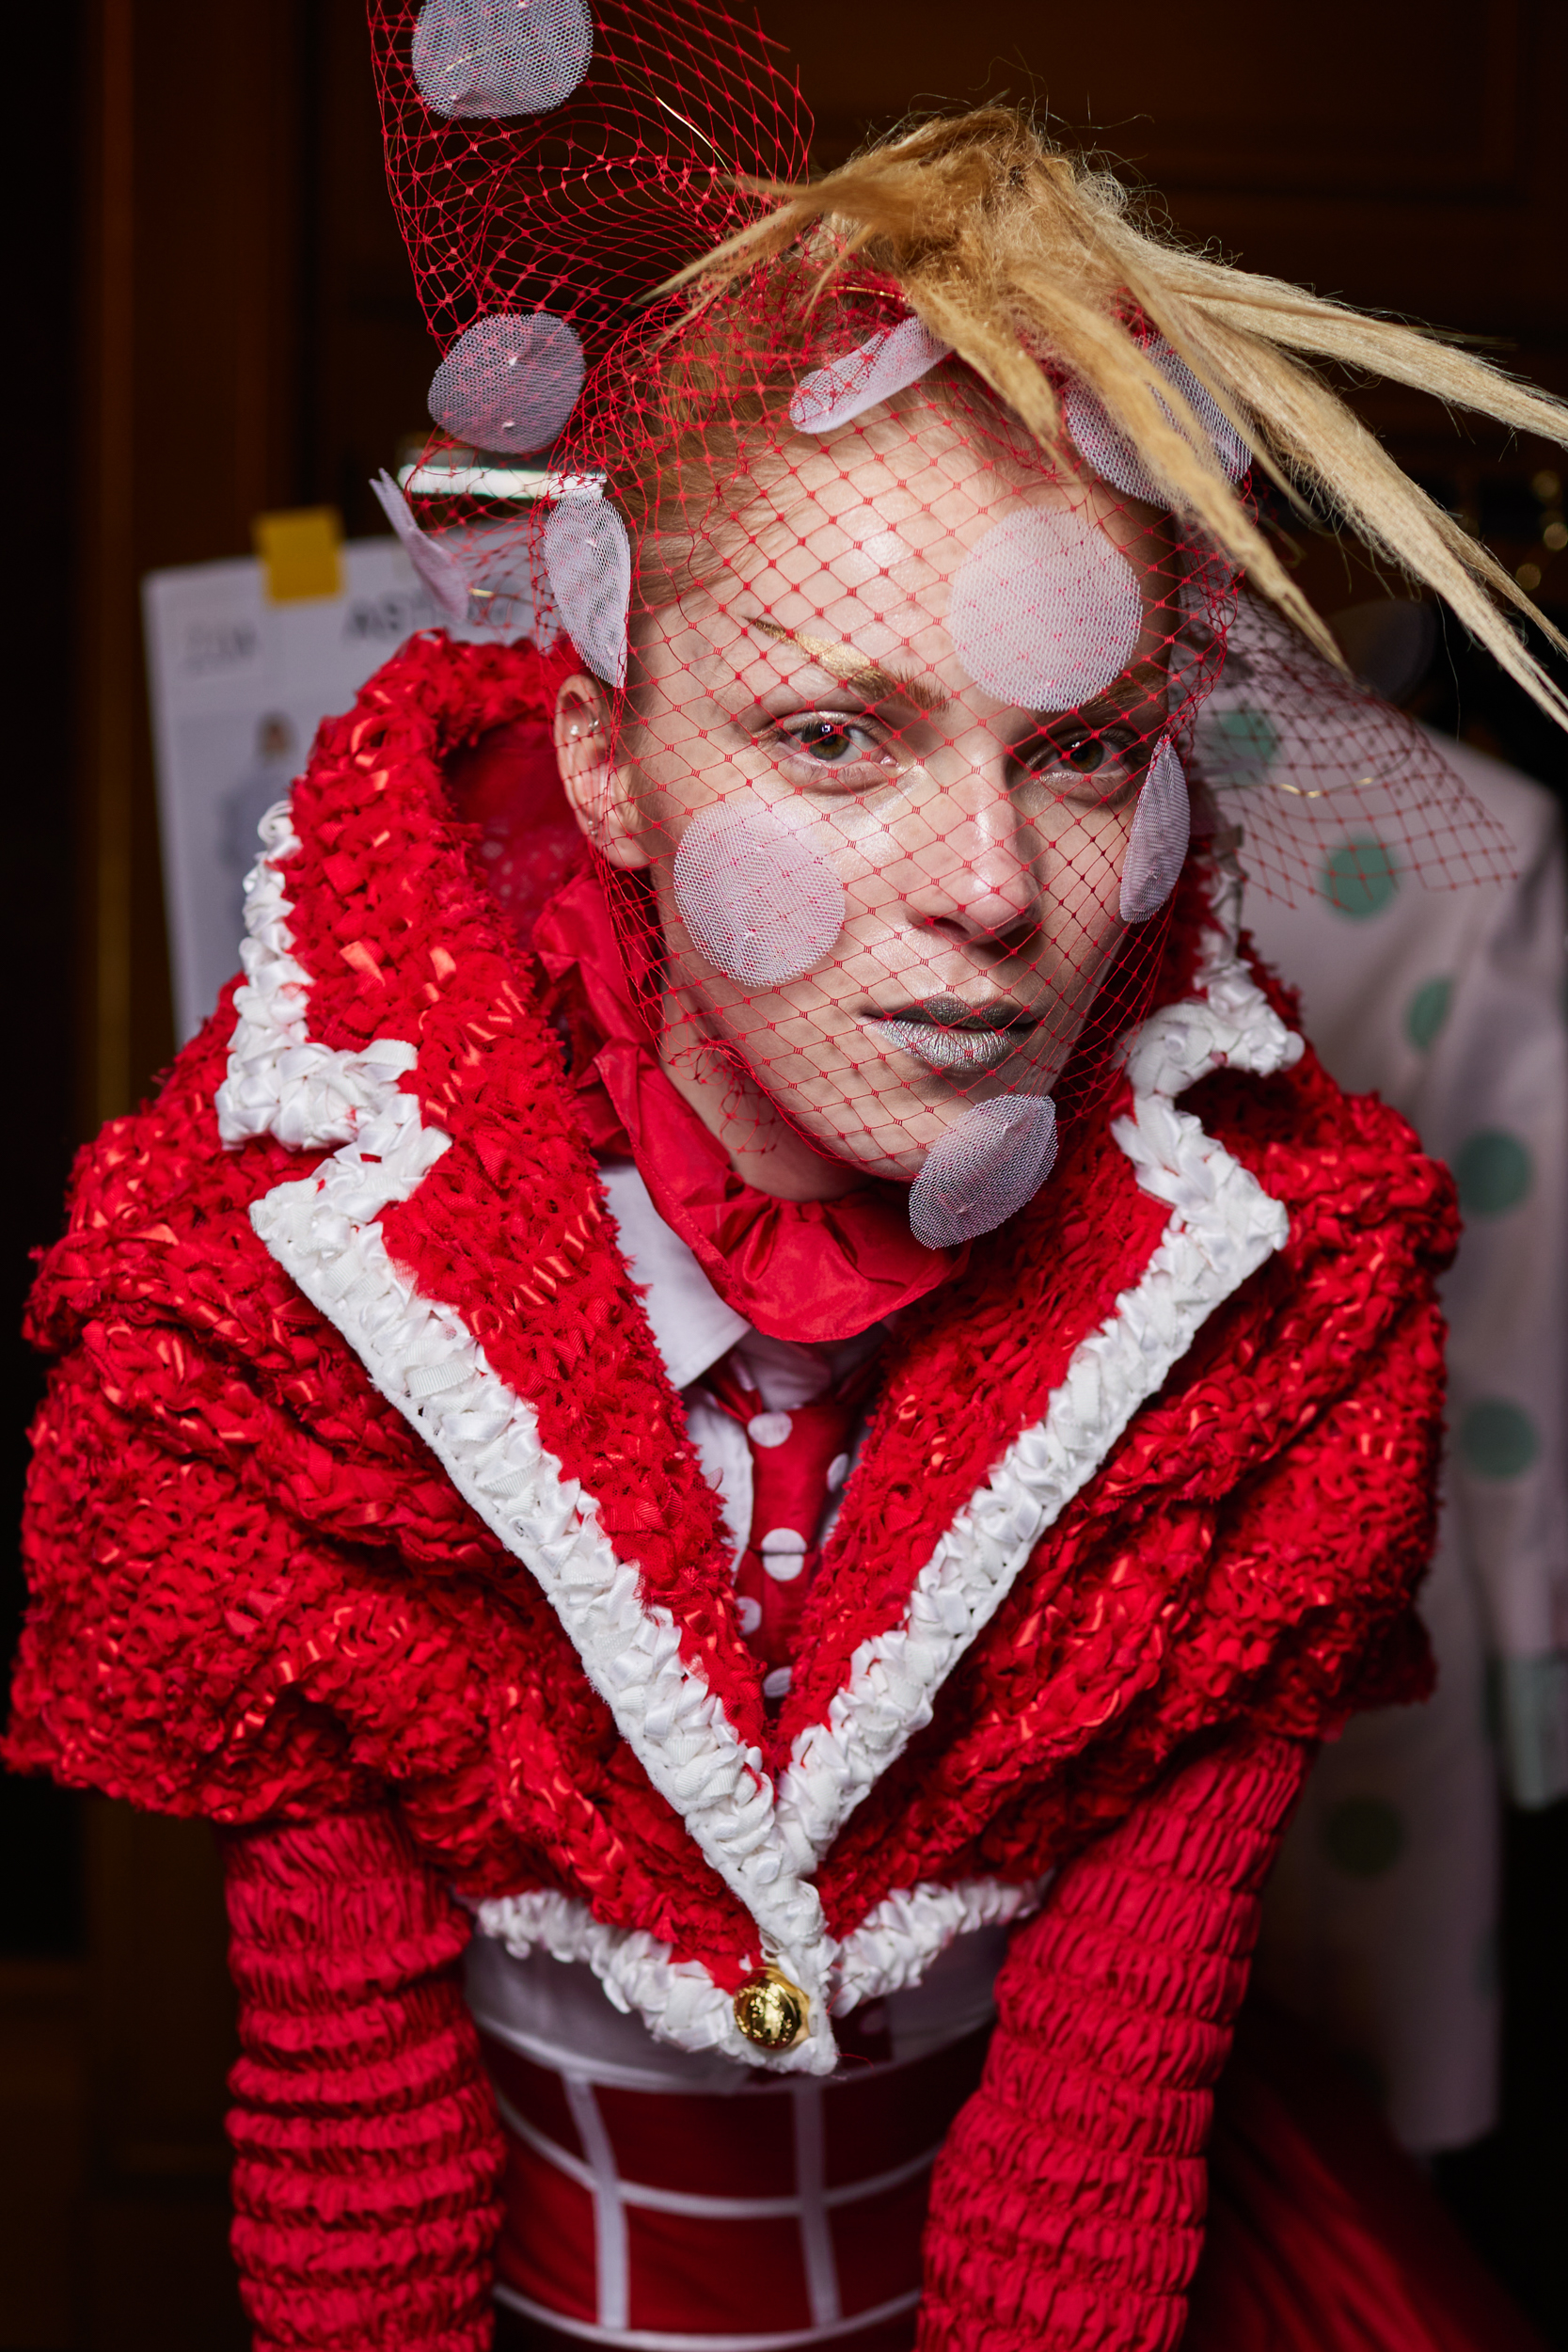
x,y
1451,1004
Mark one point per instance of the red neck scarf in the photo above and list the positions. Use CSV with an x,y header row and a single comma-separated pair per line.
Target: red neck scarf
x,y
802,1270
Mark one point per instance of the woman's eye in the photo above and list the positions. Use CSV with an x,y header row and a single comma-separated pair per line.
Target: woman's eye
x,y
1107,760
1084,754
832,741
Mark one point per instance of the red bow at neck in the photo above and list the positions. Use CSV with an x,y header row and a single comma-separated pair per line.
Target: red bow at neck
x,y
802,1270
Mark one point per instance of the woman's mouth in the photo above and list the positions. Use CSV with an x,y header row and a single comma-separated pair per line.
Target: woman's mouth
x,y
947,1034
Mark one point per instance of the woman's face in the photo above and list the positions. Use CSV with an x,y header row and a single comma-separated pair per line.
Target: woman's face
x,y
903,730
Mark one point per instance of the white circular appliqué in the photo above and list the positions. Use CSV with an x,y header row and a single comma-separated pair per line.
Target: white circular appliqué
x,y
437,567
588,558
984,1169
846,389
754,894
500,57
1157,847
509,382
1045,612
1103,446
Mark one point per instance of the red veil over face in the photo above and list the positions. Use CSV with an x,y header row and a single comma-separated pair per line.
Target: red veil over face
x,y
883,723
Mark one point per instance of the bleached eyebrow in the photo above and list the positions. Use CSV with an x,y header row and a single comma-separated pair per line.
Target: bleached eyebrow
x,y
871,678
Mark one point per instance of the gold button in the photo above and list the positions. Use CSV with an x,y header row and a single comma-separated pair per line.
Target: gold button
x,y
771,2011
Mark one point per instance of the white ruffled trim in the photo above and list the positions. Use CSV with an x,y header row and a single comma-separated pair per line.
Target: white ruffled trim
x,y
324,1232
899,1937
676,1999
279,1083
891,1951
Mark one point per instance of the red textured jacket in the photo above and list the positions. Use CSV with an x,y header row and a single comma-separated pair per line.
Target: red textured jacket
x,y
364,1521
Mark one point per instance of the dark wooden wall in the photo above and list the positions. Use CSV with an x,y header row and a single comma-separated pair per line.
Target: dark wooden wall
x,y
212,267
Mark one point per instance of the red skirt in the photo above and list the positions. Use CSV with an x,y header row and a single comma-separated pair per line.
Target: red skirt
x,y
788,2215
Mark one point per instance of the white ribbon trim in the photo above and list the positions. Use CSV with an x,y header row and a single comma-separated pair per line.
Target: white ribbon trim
x,y
891,1951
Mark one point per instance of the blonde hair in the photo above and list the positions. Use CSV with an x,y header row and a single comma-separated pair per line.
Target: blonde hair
x,y
1022,256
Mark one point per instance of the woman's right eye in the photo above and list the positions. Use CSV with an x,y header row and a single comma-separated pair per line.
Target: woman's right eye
x,y
829,741
824,740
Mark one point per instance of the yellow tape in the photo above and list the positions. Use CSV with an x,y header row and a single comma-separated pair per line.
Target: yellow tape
x,y
300,552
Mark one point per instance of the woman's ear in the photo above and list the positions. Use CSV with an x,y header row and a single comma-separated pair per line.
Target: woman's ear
x,y
601,794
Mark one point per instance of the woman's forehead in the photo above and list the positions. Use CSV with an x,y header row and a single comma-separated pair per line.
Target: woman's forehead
x,y
923,550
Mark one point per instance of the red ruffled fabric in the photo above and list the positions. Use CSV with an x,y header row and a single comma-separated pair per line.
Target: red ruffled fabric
x,y
367,2155
805,1271
1066,2209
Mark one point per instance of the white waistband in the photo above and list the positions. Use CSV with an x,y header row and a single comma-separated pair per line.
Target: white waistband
x,y
557,2013
655,2339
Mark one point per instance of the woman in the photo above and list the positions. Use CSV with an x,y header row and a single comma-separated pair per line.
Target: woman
x,y
792,1441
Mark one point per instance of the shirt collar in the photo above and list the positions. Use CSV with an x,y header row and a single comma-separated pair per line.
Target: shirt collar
x,y
692,1326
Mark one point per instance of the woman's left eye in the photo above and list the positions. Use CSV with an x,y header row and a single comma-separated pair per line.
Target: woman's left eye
x,y
834,741
1107,760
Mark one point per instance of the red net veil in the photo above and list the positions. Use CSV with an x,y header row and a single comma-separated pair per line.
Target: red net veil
x,y
883,721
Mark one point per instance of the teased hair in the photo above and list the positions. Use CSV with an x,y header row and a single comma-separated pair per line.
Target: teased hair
x,y
1025,258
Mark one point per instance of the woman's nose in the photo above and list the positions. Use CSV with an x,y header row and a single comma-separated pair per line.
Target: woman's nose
x,y
975,874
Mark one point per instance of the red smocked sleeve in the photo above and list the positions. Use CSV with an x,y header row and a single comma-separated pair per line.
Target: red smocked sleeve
x,y
367,2153
1068,2207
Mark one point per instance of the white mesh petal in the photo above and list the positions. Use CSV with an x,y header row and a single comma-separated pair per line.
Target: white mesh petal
x,y
1161,822
500,57
437,567
1045,611
588,558
1115,459
756,898
885,364
984,1169
509,382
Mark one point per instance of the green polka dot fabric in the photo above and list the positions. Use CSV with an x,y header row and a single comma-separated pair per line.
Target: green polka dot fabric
x,y
1360,877
1493,1169
1451,1004
1237,746
1427,1011
1497,1438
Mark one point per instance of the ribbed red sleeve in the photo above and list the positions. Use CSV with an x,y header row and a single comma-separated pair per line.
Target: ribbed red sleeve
x,y
1068,2207
366,2152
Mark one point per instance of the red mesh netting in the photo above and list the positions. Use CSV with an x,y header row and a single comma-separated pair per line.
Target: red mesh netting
x,y
883,723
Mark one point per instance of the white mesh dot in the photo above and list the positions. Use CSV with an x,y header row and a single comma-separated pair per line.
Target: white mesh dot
x,y
885,364
1045,612
1115,459
1161,822
588,557
984,1169
500,58
442,574
509,382
759,903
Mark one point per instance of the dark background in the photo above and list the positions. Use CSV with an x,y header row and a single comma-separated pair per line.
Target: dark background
x,y
214,318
